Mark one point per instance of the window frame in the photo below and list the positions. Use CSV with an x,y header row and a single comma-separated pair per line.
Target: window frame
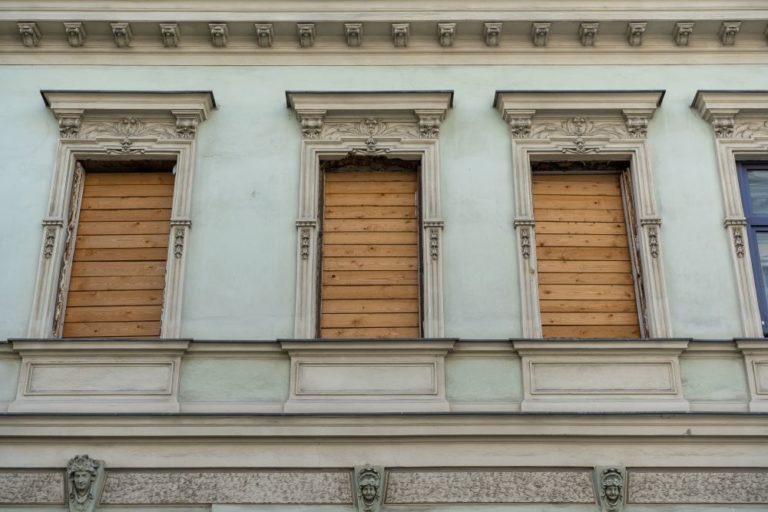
x,y
118,125
394,124
755,224
585,125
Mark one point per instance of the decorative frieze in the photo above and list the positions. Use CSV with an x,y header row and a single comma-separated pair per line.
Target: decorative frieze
x,y
219,34
122,34
85,483
180,228
492,33
682,32
540,33
701,487
651,225
525,228
306,34
30,34
728,31
75,32
433,228
306,227
635,31
610,483
354,34
19,487
265,34
588,33
400,34
446,34
369,488
170,33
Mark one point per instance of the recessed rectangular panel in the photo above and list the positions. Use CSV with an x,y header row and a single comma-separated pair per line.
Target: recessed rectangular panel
x,y
619,377
100,378
366,379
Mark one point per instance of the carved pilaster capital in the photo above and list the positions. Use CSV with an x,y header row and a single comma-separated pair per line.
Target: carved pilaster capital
x,y
306,223
219,34
170,34
122,34
635,31
610,488
682,32
588,33
181,222
492,33
306,34
734,221
523,222
75,32
540,33
354,34
446,34
400,34
311,122
650,221
30,34
265,34
439,224
369,485
728,31
429,123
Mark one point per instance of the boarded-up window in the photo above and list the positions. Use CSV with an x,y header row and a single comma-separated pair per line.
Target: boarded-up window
x,y
585,264
118,265
370,252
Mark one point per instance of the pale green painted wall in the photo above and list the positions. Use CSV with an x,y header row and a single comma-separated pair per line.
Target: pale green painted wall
x,y
241,259
230,380
714,379
485,380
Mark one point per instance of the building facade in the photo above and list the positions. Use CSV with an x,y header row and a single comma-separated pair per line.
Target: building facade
x,y
384,256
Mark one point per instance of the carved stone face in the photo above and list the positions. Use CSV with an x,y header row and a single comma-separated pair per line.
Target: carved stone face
x,y
368,488
82,481
612,489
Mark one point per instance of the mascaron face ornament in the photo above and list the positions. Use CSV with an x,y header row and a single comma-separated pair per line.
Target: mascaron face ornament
x,y
85,480
610,489
369,486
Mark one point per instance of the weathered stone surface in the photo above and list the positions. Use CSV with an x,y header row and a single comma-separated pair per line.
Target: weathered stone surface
x,y
196,487
32,487
489,487
698,487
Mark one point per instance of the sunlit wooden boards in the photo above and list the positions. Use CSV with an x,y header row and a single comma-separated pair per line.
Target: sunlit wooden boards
x,y
370,255
118,268
586,288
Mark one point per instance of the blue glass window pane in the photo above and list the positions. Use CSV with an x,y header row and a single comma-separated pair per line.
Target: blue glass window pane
x,y
762,249
758,191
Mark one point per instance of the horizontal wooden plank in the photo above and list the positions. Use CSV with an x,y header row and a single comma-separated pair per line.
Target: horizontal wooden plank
x,y
370,212
124,313
151,214
546,240
368,187
369,320
396,263
151,254
588,306
370,199
581,228
115,298
370,225
119,203
124,228
371,333
576,188
596,177
370,176
578,215
117,283
584,266
370,250
585,278
371,238
371,306
111,329
128,191
129,178
566,202
120,241
589,319
587,291
370,277
591,331
582,253
370,292
118,268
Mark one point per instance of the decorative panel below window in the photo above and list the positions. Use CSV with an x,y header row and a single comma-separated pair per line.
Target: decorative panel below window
x,y
586,285
118,267
370,254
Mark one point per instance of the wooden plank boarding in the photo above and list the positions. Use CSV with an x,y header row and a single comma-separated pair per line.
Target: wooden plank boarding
x,y
370,255
586,283
118,268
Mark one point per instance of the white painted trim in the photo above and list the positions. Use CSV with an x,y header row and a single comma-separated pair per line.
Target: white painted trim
x,y
740,127
91,125
756,362
398,125
585,125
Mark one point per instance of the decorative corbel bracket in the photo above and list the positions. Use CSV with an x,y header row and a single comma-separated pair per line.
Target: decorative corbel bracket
x,y
682,32
540,33
122,34
588,33
311,122
519,122
610,488
180,228
651,225
728,31
354,34
219,34
446,34
305,227
400,34
170,34
525,229
429,122
369,485
635,31
85,483
306,34
265,34
736,227
75,33
186,122
434,228
492,33
30,34
636,121
70,121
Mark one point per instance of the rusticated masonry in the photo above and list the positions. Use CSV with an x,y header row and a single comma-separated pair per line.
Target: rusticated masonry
x,y
724,487
32,487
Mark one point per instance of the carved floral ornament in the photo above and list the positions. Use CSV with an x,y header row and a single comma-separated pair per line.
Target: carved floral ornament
x,y
738,115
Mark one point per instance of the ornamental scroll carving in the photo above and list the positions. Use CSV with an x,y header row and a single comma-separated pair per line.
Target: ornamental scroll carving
x,y
610,484
370,127
369,488
85,482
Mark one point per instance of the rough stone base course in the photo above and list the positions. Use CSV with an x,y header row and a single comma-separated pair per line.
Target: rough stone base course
x,y
685,486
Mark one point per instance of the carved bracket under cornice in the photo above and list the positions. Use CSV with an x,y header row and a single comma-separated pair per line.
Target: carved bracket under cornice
x,y
735,114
